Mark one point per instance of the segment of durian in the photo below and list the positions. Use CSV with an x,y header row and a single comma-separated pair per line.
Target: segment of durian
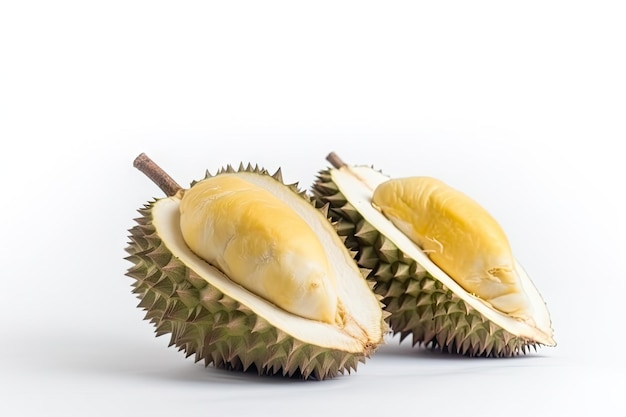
x,y
261,243
222,323
424,302
459,236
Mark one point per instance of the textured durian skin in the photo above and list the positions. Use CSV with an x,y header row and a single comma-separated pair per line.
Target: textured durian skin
x,y
418,304
213,327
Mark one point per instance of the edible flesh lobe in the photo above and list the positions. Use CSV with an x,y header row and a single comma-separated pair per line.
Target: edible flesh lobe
x,y
259,242
458,235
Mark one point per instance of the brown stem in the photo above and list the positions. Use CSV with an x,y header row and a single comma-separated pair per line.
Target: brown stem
x,y
146,165
335,160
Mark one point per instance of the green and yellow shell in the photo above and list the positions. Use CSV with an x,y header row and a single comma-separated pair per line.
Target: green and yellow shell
x,y
184,247
440,263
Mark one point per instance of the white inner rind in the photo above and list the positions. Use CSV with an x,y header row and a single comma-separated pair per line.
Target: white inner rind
x,y
363,327
357,184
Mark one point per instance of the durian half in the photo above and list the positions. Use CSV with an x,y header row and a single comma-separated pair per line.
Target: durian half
x,y
245,273
413,255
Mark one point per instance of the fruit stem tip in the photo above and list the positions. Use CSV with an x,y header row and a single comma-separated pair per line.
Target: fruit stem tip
x,y
335,160
161,178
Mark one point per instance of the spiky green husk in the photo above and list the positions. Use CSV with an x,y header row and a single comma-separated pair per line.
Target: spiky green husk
x,y
419,305
212,326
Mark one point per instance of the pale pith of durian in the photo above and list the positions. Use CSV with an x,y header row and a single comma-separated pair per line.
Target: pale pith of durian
x,y
243,272
441,263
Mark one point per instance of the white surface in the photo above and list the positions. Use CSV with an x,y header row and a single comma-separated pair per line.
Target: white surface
x,y
521,107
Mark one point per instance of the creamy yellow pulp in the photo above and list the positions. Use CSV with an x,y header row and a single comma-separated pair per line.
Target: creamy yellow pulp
x,y
259,242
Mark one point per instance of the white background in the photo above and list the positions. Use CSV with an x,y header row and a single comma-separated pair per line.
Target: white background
x,y
521,105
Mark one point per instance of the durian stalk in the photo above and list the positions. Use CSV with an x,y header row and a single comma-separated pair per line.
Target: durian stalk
x,y
161,178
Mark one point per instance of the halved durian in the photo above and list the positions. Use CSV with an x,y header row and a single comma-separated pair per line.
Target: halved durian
x,y
297,304
448,281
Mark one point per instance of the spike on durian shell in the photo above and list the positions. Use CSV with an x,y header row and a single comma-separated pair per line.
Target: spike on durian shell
x,y
278,175
417,304
324,209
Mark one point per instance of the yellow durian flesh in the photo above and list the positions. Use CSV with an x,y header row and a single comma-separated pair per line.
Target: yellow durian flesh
x,y
459,236
259,242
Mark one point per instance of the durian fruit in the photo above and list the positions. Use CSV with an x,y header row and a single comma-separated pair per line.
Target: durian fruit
x,y
441,263
245,273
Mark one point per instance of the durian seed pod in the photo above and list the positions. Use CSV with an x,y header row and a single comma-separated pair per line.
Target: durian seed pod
x,y
221,322
423,301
